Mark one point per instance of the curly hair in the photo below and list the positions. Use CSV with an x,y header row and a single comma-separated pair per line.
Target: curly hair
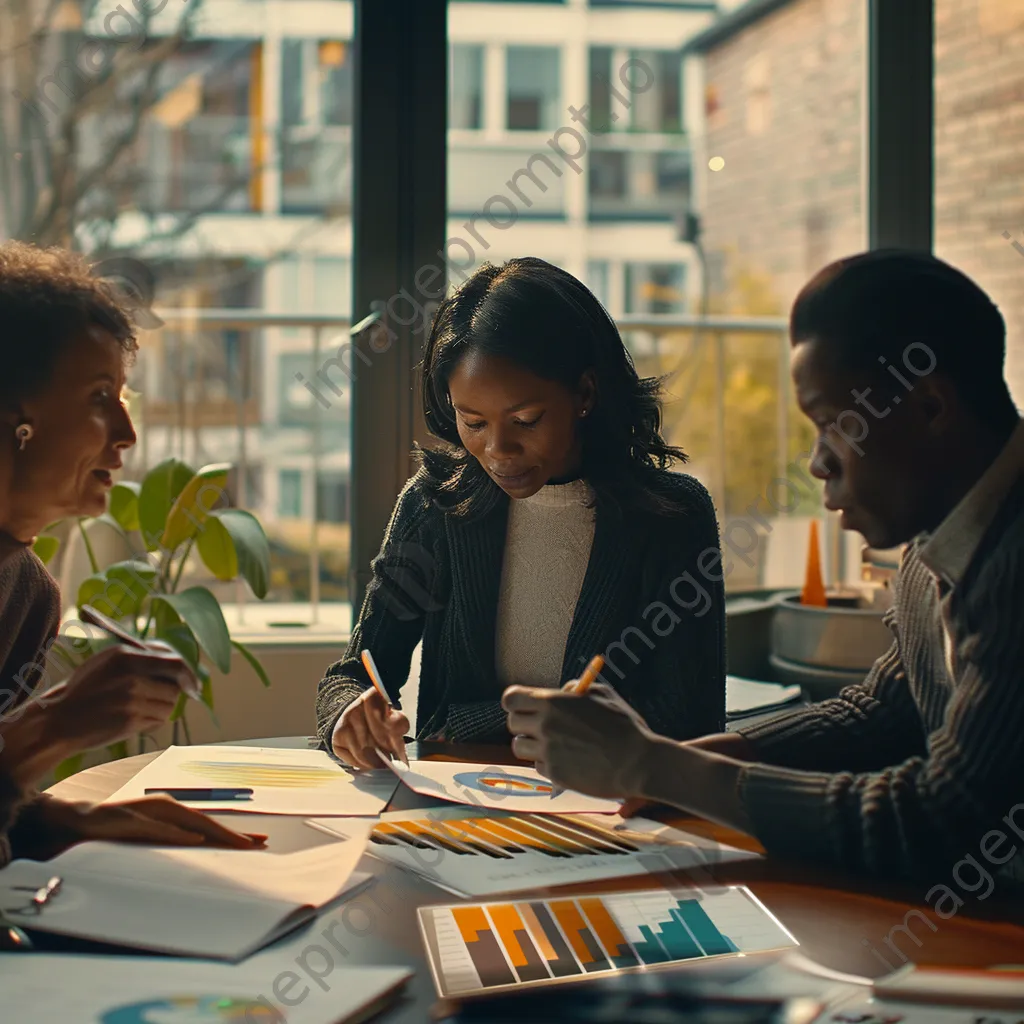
x,y
540,317
48,298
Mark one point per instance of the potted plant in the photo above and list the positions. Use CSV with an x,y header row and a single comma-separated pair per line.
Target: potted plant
x,y
178,513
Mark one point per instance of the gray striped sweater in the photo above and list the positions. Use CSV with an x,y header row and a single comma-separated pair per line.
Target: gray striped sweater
x,y
913,769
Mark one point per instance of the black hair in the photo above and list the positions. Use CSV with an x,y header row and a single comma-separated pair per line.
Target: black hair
x,y
48,297
871,308
542,318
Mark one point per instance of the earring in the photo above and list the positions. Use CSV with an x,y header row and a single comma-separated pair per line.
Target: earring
x,y
583,412
23,432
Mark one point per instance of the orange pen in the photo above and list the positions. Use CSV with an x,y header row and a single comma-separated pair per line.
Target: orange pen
x,y
371,670
590,674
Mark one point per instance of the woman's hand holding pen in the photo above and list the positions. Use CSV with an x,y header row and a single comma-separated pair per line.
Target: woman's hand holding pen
x,y
366,724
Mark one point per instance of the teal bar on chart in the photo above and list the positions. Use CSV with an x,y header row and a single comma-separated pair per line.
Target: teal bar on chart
x,y
705,931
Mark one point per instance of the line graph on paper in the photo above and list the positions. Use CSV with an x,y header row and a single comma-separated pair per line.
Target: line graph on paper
x,y
488,946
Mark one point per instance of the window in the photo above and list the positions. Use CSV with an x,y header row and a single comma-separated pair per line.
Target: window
x,y
655,288
316,120
597,280
332,498
656,79
601,88
289,493
533,88
466,87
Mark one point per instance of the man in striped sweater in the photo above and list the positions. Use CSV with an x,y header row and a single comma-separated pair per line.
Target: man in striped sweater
x,y
898,360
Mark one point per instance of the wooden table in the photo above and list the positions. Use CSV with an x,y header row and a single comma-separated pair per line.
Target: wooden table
x,y
840,922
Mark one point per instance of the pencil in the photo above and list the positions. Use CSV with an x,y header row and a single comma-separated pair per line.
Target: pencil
x,y
371,670
590,674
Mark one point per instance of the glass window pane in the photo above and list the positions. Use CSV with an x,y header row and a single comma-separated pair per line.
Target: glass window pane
x,y
601,88
533,88
289,494
231,192
466,87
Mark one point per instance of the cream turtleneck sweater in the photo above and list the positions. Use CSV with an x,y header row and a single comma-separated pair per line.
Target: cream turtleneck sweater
x,y
547,550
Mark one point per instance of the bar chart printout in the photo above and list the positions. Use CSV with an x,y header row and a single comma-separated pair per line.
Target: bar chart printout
x,y
476,948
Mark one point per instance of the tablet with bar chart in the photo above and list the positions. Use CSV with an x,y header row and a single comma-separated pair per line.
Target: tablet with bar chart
x,y
479,853
485,947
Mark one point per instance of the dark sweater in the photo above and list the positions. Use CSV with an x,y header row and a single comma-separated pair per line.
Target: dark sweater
x,y
907,772
29,616
437,579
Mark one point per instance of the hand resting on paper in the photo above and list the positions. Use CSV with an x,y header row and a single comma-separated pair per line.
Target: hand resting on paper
x,y
368,723
156,821
594,744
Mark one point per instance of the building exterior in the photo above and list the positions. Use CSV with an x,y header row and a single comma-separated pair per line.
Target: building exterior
x,y
567,141
783,83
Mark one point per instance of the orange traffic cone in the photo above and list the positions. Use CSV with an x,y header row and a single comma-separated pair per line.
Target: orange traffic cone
x,y
814,585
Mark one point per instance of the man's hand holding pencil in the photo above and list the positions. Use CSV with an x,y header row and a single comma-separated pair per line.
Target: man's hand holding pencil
x,y
585,738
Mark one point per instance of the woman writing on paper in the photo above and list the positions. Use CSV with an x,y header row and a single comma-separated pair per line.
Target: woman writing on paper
x,y
63,429
544,529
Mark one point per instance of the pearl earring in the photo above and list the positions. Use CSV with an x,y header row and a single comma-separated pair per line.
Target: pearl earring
x,y
583,412
23,433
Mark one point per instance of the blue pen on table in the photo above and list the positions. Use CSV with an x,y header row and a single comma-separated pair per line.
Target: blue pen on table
x,y
202,794
371,670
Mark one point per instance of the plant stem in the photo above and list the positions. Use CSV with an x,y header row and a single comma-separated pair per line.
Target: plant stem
x,y
184,726
181,564
161,588
88,546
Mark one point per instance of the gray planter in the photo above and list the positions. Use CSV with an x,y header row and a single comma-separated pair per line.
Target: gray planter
x,y
825,649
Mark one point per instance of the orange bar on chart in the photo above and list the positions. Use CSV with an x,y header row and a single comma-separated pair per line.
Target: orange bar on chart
x,y
580,937
614,942
814,585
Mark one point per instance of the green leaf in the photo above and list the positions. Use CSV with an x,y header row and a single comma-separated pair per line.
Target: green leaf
x,y
253,660
119,590
124,504
207,686
180,637
68,767
192,506
232,542
163,483
179,707
199,610
45,548
93,591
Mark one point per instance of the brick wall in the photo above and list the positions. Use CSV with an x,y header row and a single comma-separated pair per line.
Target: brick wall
x,y
979,154
785,101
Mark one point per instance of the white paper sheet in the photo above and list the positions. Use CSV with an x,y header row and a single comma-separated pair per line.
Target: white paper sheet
x,y
305,782
496,787
221,904
49,989
481,853
750,697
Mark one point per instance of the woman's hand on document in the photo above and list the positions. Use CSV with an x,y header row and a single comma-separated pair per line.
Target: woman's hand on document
x,y
153,820
366,725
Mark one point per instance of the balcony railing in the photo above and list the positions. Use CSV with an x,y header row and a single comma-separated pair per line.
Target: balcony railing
x,y
256,436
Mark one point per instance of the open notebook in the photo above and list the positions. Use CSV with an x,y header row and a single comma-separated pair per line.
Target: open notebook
x,y
218,904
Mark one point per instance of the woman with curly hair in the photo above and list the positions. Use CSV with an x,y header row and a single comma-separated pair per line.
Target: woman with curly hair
x,y
543,529
66,345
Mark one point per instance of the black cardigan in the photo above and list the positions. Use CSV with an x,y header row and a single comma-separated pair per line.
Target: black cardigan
x,y
437,579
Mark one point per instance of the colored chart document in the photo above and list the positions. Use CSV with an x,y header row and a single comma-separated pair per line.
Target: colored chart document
x,y
485,947
57,989
475,853
508,789
282,781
